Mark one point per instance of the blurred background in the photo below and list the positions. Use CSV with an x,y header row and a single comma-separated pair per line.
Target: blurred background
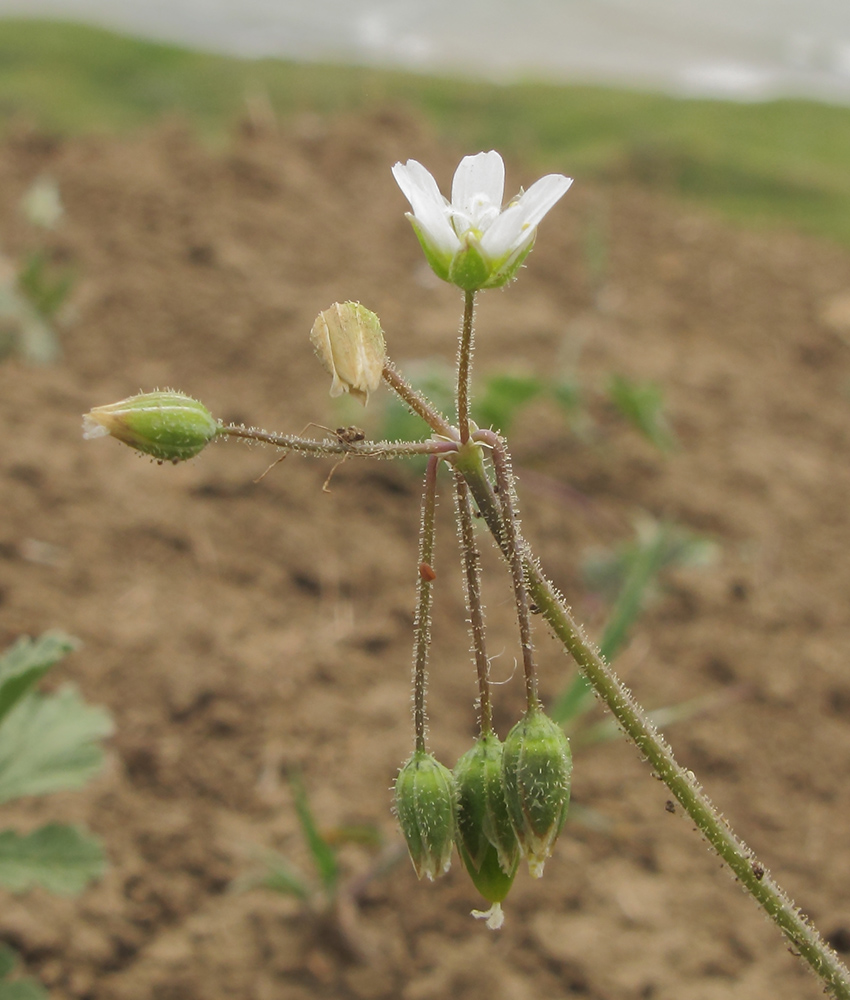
x,y
746,50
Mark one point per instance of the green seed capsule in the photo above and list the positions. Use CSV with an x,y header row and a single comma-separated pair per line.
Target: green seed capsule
x,y
168,425
485,837
425,801
536,769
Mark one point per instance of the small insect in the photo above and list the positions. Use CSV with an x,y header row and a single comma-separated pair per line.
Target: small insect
x,y
670,806
350,435
758,871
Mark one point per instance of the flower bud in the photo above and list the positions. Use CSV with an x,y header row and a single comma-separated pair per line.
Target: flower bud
x,y
536,769
168,425
485,837
425,802
350,344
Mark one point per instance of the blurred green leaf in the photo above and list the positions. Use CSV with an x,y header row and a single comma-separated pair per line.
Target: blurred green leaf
x,y
642,404
504,395
45,286
322,853
276,874
628,578
26,662
17,989
50,742
8,960
61,859
23,989
23,331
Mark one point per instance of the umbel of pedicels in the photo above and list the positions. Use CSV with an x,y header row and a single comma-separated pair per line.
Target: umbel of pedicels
x,y
471,241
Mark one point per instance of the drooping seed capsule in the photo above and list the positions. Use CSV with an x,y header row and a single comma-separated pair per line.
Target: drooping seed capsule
x,y
536,769
486,840
426,802
168,425
349,342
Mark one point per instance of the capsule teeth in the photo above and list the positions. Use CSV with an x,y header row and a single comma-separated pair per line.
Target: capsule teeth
x,y
426,804
536,770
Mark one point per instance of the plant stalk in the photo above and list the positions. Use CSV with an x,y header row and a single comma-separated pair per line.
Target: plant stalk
x,y
464,365
470,558
749,872
424,582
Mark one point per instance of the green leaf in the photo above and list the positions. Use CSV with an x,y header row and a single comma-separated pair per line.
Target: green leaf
x,y
25,663
323,854
61,859
8,960
504,395
50,742
278,875
23,989
642,403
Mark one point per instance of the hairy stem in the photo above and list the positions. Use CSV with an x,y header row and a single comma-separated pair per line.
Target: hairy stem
x,y
750,873
510,545
464,365
417,401
472,588
337,446
424,582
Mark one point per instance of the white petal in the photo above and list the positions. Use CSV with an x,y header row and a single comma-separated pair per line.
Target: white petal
x,y
429,207
484,174
541,196
92,429
516,226
506,233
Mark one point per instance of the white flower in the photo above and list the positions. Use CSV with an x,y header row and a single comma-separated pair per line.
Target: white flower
x,y
471,241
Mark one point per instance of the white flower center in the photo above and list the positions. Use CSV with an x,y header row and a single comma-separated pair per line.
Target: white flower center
x,y
480,216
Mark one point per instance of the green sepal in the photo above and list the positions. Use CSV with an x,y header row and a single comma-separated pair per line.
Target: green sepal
x,y
536,770
469,268
483,820
488,877
170,426
426,804
506,271
440,263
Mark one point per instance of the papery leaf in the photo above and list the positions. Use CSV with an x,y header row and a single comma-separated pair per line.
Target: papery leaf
x,y
50,742
25,663
59,858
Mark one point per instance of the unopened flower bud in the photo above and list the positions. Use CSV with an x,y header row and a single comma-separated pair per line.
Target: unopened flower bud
x,y
486,840
168,425
350,344
536,769
425,801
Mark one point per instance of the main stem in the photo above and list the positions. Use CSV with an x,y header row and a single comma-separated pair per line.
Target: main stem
x,y
747,869
464,365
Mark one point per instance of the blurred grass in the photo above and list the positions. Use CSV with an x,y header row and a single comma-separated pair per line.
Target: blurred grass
x,y
784,162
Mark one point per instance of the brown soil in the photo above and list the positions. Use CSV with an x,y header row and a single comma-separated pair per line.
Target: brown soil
x,y
237,629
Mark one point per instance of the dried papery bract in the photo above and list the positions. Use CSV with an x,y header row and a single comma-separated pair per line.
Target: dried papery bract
x,y
350,344
168,425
